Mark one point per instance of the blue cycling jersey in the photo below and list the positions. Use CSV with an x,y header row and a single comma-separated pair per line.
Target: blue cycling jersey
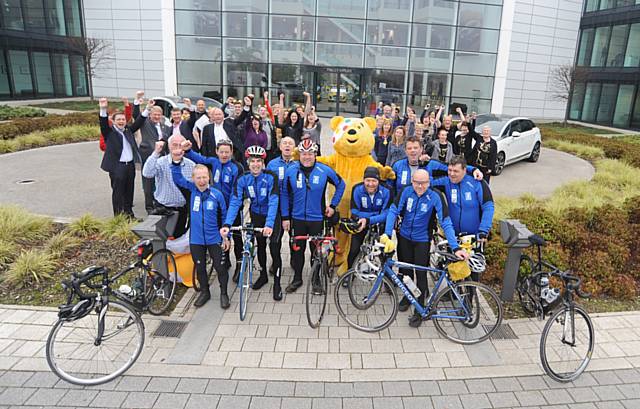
x,y
374,207
279,167
403,171
262,190
224,175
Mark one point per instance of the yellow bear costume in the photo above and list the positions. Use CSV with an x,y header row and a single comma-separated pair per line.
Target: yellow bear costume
x,y
353,141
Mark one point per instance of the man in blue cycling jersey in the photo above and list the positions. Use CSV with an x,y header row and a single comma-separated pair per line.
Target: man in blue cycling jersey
x,y
302,201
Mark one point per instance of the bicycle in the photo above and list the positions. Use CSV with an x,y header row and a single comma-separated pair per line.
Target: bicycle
x,y
97,338
457,310
245,279
362,268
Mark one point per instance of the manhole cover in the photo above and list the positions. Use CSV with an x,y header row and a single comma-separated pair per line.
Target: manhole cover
x,y
26,182
504,331
170,329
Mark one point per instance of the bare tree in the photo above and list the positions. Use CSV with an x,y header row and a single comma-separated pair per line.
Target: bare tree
x,y
563,77
96,52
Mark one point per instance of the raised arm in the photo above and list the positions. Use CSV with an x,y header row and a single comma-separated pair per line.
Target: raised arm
x,y
338,182
442,213
307,104
282,109
137,124
149,170
179,179
267,105
272,211
105,128
380,218
488,208
235,203
248,102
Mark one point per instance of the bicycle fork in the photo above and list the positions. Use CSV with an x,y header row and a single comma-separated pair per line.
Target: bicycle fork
x,y
570,337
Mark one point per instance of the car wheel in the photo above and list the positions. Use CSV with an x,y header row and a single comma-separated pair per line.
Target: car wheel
x,y
535,153
499,164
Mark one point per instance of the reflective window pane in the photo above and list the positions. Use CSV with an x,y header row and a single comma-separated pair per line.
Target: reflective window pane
x,y
301,7
210,5
577,99
250,74
292,80
62,75
481,106
635,118
433,86
470,86
245,50
21,73
591,96
292,27
198,48
343,8
586,45
203,90
479,15
198,72
435,11
617,46
54,16
398,10
623,106
607,103
244,25
298,52
388,86
475,39
34,15
592,5
431,60
433,36
245,6
386,57
12,15
72,17
475,64
339,55
632,57
340,30
78,76
44,79
4,76
599,53
198,23
387,33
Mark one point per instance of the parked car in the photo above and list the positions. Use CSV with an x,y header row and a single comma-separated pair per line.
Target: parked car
x,y
168,103
333,93
293,91
518,138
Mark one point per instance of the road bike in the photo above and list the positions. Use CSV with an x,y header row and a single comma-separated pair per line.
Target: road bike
x,y
245,279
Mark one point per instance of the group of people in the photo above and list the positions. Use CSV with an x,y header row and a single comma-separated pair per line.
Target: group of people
x,y
205,168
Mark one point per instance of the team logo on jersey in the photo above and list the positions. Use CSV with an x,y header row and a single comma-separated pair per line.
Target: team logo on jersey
x,y
379,202
299,182
263,191
196,204
316,179
467,195
364,201
423,207
281,173
209,204
409,204
403,179
216,177
454,195
226,179
252,193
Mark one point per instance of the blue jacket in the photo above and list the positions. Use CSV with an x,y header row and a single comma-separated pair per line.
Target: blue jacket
x,y
279,166
262,190
403,172
208,210
304,199
224,174
416,212
470,204
374,210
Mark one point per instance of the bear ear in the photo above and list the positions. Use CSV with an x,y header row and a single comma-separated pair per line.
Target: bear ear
x,y
371,122
335,121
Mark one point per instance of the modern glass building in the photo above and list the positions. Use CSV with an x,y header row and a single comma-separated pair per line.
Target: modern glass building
x,y
607,80
35,61
349,54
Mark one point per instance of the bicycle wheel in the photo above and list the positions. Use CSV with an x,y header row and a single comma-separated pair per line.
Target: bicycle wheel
x,y
316,293
525,287
162,278
244,282
360,288
75,356
380,311
467,312
567,342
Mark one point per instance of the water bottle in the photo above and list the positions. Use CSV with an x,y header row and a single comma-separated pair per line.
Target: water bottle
x,y
126,290
411,286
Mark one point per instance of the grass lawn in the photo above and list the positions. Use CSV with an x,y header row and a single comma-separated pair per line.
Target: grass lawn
x,y
569,129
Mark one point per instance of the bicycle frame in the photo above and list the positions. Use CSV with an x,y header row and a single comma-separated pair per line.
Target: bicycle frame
x,y
248,237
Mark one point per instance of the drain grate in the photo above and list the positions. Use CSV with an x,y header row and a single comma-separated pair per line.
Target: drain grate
x,y
504,331
170,329
26,182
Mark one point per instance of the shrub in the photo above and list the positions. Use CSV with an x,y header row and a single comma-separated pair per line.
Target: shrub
x,y
23,126
65,134
31,267
8,252
85,226
578,149
61,243
19,226
9,112
118,228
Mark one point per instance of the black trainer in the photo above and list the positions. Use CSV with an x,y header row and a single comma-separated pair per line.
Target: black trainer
x,y
415,320
291,288
262,280
202,298
224,301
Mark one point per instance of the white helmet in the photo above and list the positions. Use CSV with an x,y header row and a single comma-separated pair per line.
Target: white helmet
x,y
477,262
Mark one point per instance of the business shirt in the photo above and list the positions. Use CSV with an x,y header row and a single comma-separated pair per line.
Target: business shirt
x,y
159,167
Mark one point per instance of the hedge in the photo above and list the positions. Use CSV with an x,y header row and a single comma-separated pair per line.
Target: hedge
x,y
9,112
23,126
56,136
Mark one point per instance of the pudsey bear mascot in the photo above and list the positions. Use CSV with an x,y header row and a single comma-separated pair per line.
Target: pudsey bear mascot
x,y
353,141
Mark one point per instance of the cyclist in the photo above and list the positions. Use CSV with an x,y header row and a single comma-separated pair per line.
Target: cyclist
x,y
415,205
302,201
208,210
370,203
262,190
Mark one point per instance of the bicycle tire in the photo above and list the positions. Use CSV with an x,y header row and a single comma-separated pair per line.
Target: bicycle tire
x,y
160,288
244,282
77,338
582,362
361,284
315,299
375,318
526,293
465,304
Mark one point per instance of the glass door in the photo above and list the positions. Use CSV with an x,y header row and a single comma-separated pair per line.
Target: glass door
x,y
350,84
327,93
339,93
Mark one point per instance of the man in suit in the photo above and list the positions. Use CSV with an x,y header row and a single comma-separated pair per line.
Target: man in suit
x,y
119,156
182,122
221,128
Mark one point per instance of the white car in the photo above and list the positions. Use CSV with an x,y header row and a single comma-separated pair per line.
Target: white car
x,y
517,138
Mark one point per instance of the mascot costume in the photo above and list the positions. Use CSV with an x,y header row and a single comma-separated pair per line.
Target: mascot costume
x,y
353,142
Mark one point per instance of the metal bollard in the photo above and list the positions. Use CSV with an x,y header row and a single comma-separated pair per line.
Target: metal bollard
x,y
516,236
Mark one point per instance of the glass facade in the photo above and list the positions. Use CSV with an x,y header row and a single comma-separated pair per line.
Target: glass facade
x,y
34,55
349,54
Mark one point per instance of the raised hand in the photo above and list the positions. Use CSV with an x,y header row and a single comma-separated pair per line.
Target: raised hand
x,y
186,145
103,103
187,102
159,147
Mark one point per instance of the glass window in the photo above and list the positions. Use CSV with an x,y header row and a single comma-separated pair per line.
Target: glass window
x,y
623,106
586,45
302,7
198,23
199,72
211,5
198,48
12,13
577,99
5,90
297,52
339,55
244,25
54,16
591,97
21,73
475,64
340,30
473,105
479,15
431,60
245,6
398,10
607,4
343,8
635,118
435,11
387,86
386,57
475,39
292,27
617,46
251,74
210,91
72,18
245,50
34,15
471,86
62,75
592,5
632,57
433,36
607,103
599,53
44,79
78,76
387,33
293,80
434,86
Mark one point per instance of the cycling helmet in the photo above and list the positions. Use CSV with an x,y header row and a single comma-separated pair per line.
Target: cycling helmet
x,y
349,226
477,262
307,145
255,151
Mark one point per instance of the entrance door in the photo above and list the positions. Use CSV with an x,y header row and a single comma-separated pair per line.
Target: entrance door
x,y
338,93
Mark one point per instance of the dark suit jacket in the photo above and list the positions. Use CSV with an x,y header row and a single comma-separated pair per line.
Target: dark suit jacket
x,y
150,135
186,130
231,128
113,141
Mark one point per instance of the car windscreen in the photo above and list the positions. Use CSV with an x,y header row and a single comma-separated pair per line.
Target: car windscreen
x,y
496,126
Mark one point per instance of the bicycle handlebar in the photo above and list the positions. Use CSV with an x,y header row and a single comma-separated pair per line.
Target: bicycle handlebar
x,y
307,237
571,282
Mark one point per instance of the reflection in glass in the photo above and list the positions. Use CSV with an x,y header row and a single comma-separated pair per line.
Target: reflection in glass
x,y
433,36
21,73
72,17
586,45
606,104
54,16
479,15
301,7
472,86
204,90
599,53
244,25
62,75
617,46
632,57
199,23
245,6
475,39
78,76
387,33
635,118
397,10
199,72
473,104
34,15
44,79
387,86
435,11
340,30
475,64
211,5
592,5
433,87
386,57
297,52
431,60
198,48
591,97
339,55
12,14
577,99
4,76
343,8
623,105
245,50
245,74
292,27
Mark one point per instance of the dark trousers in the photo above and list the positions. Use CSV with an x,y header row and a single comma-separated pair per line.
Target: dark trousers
x,y
354,249
415,252
259,220
148,187
199,256
275,247
302,228
486,176
237,243
122,183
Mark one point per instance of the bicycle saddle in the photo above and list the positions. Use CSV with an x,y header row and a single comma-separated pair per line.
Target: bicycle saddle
x,y
537,240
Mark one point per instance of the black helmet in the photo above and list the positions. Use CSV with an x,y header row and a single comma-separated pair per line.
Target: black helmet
x,y
349,226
